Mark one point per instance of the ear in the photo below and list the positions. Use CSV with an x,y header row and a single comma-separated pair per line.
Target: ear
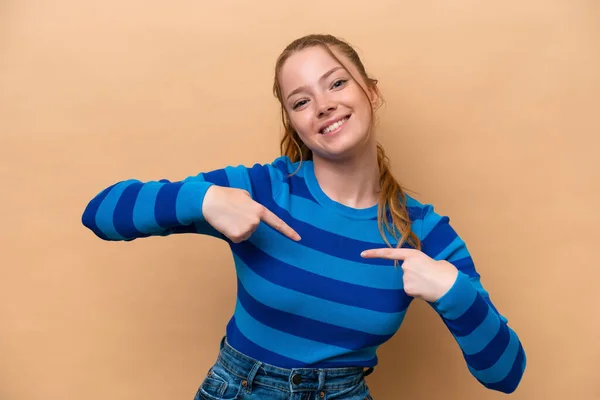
x,y
374,95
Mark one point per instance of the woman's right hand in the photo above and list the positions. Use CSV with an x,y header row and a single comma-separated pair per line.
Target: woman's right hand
x,y
236,215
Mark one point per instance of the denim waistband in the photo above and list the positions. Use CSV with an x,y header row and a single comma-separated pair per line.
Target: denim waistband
x,y
294,379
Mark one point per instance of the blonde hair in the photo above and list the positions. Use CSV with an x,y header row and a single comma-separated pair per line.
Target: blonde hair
x,y
392,199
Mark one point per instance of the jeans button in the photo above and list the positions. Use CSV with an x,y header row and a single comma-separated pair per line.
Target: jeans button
x,y
296,379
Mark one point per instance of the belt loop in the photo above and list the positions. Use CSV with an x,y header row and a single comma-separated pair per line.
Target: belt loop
x,y
322,376
222,342
252,375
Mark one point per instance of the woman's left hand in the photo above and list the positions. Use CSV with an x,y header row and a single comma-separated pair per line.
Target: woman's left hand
x,y
424,277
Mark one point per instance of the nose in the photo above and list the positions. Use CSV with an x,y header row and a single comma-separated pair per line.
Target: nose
x,y
325,107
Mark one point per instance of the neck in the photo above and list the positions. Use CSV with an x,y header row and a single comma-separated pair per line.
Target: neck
x,y
353,182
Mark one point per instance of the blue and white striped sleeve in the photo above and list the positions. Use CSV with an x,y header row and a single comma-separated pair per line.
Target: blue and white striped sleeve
x,y
132,209
492,350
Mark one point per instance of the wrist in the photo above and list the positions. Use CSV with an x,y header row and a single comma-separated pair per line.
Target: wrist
x,y
447,276
190,201
457,299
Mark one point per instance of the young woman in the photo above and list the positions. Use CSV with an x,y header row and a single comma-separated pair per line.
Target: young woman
x,y
329,251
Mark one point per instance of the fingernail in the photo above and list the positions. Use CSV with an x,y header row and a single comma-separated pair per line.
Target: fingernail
x,y
363,253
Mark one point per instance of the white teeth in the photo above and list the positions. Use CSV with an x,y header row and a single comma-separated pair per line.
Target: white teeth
x,y
335,125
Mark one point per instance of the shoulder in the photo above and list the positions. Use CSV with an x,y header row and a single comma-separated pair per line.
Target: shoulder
x,y
281,170
284,166
279,167
438,238
417,210
424,216
267,178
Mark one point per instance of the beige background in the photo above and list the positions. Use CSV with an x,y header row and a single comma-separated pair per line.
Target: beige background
x,y
492,115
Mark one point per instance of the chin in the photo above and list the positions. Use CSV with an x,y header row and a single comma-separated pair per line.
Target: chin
x,y
337,154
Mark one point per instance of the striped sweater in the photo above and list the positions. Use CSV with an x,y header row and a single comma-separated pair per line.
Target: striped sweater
x,y
317,302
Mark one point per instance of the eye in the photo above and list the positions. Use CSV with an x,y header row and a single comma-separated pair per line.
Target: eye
x,y
339,83
299,104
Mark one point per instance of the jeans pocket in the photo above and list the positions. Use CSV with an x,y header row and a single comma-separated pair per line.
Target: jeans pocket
x,y
220,384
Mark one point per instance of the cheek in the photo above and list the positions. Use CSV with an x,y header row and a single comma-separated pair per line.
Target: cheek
x,y
364,104
365,113
302,123
355,98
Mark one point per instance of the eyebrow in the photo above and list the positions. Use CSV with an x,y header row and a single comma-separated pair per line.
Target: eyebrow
x,y
325,76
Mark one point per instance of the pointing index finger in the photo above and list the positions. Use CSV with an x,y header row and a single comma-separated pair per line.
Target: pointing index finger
x,y
274,221
388,253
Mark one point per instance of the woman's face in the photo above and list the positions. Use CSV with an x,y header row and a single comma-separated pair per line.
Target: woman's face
x,y
326,105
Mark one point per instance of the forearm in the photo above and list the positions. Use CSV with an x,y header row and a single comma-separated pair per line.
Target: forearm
x,y
492,350
133,209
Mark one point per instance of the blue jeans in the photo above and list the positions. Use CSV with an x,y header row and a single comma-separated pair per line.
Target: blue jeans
x,y
235,376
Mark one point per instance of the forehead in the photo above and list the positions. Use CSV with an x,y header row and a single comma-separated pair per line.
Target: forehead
x,y
306,66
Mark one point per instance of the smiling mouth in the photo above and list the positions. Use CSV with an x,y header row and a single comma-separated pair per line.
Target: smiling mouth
x,y
336,126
